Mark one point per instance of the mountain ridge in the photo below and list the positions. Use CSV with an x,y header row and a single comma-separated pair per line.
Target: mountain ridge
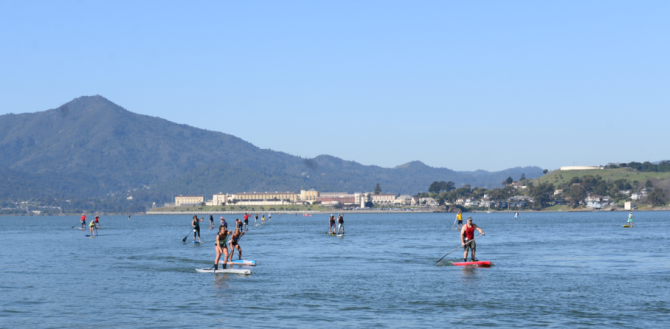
x,y
119,151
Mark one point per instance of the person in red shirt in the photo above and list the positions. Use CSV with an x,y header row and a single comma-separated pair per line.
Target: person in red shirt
x,y
246,221
83,221
468,239
97,222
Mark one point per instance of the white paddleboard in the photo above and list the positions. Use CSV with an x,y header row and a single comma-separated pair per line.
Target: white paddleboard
x,y
224,270
245,262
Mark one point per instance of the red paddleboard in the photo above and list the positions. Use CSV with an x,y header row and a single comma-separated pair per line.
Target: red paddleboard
x,y
485,263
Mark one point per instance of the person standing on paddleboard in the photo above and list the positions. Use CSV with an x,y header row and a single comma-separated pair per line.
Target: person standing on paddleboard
x,y
239,225
97,222
223,223
246,221
91,227
256,220
211,221
340,223
459,216
516,215
468,239
83,221
234,243
221,247
630,218
269,217
331,224
196,228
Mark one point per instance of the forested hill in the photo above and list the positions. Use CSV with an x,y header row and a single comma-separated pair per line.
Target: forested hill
x,y
93,148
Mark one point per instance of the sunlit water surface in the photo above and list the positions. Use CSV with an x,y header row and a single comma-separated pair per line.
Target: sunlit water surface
x,y
551,269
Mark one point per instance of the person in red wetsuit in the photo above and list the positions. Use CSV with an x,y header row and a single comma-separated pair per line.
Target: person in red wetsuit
x,y
83,221
468,239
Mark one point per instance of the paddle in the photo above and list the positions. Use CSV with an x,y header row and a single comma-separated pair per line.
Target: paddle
x,y
186,237
456,249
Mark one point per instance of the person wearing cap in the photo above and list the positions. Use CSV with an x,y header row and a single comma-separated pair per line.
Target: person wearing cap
x,y
468,239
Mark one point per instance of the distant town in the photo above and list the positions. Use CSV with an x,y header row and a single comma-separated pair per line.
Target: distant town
x,y
569,188
624,186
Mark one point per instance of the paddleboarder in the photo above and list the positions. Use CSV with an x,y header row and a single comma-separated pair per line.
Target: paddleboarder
x,y
459,217
246,221
263,219
223,223
211,221
331,224
468,239
239,225
221,247
97,222
516,215
196,228
340,223
91,227
234,243
83,221
630,218
256,220
269,217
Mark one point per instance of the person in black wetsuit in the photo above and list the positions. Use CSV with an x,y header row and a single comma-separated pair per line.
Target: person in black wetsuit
x,y
340,223
331,224
196,228
211,221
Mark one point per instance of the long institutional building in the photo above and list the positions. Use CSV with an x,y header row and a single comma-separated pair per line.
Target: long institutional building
x,y
288,198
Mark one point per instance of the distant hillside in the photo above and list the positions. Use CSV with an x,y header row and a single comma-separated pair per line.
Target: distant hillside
x,y
92,148
560,178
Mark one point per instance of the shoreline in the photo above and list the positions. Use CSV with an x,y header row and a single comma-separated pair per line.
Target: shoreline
x,y
320,212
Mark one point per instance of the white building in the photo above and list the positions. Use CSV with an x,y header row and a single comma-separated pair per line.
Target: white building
x,y
428,202
382,198
188,200
581,167
404,200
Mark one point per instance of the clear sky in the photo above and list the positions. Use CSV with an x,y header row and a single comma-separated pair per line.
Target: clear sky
x,y
458,84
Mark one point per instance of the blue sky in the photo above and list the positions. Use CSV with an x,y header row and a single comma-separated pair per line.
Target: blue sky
x,y
462,85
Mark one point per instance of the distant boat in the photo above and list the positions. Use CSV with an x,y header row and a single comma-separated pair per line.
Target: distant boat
x,y
306,215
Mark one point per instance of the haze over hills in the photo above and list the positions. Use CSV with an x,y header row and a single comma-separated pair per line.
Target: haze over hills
x,y
93,148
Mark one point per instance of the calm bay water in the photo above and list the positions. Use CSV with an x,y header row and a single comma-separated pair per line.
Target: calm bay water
x,y
551,270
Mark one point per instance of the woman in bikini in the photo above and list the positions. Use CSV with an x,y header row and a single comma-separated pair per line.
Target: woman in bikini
x,y
221,248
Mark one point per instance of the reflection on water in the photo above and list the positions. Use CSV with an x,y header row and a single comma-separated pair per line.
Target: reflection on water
x,y
383,274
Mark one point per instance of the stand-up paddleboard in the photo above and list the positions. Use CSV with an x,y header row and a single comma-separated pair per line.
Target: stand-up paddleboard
x,y
224,270
90,235
81,229
478,263
628,226
196,242
245,262
340,235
